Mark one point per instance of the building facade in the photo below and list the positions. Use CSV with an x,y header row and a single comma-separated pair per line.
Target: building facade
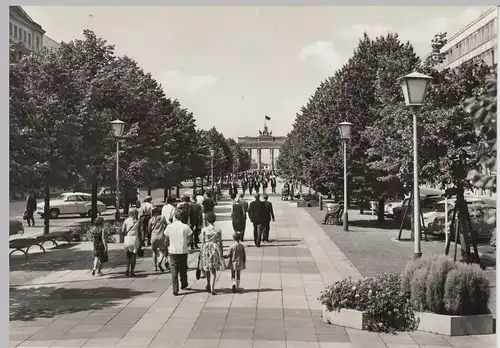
x,y
478,40
25,34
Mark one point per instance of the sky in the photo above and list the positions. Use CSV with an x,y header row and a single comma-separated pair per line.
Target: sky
x,y
232,65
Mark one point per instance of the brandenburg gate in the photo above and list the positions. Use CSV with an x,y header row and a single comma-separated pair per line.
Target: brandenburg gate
x,y
265,141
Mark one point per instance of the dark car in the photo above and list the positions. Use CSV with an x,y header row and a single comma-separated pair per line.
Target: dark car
x,y
108,197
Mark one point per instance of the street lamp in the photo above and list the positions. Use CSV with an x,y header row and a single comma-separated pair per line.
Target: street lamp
x,y
345,134
118,127
414,87
212,153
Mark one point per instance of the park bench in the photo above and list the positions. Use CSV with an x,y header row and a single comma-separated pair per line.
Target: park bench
x,y
55,236
24,243
333,218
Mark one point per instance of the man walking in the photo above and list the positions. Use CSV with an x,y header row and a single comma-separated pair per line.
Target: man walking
x,y
268,216
244,203
145,212
178,234
195,219
30,208
256,211
273,184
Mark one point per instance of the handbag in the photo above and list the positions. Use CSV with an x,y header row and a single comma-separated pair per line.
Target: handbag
x,y
25,215
104,257
140,252
200,273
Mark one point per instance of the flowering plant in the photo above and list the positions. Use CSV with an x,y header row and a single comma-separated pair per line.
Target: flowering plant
x,y
386,307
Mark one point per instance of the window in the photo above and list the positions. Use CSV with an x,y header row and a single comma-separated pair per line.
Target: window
x,y
25,36
487,32
15,31
10,29
37,43
20,34
29,39
72,198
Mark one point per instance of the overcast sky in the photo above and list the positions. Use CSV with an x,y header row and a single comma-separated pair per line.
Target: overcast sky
x,y
231,66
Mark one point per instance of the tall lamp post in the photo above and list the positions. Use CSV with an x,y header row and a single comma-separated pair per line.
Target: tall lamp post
x,y
414,87
212,153
118,127
345,134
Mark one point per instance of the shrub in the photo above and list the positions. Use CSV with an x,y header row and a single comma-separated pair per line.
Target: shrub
x,y
411,268
467,291
386,306
436,282
110,229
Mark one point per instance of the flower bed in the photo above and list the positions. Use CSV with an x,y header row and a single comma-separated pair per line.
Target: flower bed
x,y
379,302
449,298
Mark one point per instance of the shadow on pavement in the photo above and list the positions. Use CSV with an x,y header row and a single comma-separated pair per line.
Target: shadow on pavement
x,y
387,225
60,301
243,290
222,209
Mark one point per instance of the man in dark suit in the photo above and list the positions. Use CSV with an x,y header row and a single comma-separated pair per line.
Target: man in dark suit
x,y
244,203
273,185
256,212
195,219
266,222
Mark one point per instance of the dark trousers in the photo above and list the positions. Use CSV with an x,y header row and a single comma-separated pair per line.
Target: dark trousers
x,y
273,188
30,218
265,230
178,267
145,230
257,233
195,239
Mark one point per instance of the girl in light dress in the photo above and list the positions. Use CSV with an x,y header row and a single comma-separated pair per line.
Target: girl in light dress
x,y
132,240
211,251
156,228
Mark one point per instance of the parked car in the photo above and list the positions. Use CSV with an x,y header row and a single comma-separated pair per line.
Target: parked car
x,y
483,220
70,203
108,197
426,205
15,226
439,210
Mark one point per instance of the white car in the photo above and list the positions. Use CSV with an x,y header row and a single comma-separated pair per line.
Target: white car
x,y
438,211
389,208
70,203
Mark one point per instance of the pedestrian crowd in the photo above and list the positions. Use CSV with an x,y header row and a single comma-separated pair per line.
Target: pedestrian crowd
x,y
172,230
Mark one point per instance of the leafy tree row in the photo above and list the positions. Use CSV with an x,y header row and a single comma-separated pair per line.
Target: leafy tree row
x,y
61,104
365,91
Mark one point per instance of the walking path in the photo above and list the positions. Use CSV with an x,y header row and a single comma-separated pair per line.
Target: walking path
x,y
67,307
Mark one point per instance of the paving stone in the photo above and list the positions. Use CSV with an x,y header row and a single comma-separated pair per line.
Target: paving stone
x,y
268,344
69,343
238,332
300,334
37,344
235,343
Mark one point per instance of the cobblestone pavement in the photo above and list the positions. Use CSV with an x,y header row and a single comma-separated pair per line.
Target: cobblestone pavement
x,y
62,305
373,250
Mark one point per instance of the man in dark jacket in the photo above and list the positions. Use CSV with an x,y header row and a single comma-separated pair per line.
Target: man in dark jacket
x,y
273,185
244,203
266,222
30,208
195,221
256,212
186,210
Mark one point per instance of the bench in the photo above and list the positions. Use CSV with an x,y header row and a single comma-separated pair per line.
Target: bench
x,y
21,243
55,236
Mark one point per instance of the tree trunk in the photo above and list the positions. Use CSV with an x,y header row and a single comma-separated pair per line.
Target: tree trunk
x,y
149,191
380,211
165,194
361,207
126,200
177,192
202,180
46,208
93,213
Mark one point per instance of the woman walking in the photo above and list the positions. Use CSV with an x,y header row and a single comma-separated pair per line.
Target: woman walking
x,y
156,228
211,252
238,216
132,241
100,245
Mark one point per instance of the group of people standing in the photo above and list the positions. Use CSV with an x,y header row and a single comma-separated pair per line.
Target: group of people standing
x,y
170,231
255,181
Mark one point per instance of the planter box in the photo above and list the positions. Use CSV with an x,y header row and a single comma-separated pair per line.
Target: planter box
x,y
346,317
454,325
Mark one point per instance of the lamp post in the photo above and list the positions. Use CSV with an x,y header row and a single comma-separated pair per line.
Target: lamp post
x,y
414,87
345,134
212,153
118,127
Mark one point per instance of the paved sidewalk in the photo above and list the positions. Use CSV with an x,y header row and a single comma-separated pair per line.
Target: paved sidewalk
x,y
67,307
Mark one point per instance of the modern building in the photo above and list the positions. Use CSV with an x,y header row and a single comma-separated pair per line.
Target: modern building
x,y
477,40
25,34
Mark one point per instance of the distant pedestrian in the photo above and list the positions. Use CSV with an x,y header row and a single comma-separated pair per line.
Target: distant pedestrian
x,y
178,234
237,261
211,252
167,212
273,184
100,245
186,209
31,208
145,212
196,221
132,242
268,216
156,230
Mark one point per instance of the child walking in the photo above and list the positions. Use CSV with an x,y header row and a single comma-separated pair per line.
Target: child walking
x,y
237,260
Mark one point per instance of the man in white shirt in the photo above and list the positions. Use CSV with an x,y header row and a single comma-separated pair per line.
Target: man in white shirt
x,y
178,235
168,211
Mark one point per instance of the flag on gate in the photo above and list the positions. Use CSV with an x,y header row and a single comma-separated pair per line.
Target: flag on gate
x,y
268,118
